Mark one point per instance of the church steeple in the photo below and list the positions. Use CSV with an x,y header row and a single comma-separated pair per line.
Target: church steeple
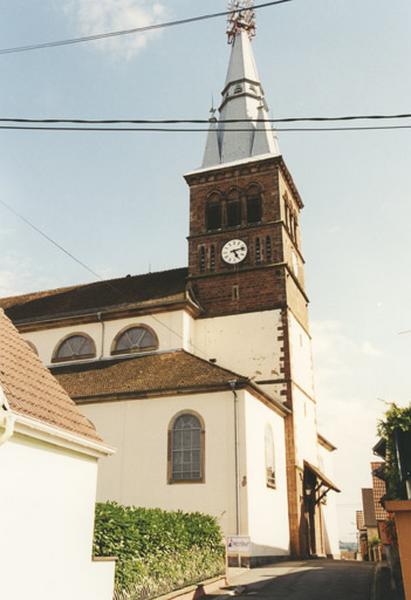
x,y
242,98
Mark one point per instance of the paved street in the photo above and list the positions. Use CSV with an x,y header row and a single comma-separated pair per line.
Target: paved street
x,y
311,580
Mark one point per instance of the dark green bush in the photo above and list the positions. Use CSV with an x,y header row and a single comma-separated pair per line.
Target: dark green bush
x,y
157,551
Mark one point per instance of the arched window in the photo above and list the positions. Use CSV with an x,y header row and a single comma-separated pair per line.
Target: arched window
x,y
254,210
135,339
186,449
75,347
213,212
233,208
269,457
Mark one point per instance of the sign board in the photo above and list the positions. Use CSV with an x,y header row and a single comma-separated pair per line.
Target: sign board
x,y
238,543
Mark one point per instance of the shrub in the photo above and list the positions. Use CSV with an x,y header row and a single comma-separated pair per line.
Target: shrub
x,y
157,551
396,418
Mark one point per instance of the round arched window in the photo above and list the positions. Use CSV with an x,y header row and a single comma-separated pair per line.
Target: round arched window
x,y
186,449
135,339
75,347
269,457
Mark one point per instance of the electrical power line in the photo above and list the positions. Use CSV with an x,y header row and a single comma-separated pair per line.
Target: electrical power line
x,y
134,30
106,282
74,121
199,130
49,239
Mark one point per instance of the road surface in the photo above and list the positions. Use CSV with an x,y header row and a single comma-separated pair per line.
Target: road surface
x,y
311,580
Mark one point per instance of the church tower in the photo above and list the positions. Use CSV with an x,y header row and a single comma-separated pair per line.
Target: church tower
x,y
246,269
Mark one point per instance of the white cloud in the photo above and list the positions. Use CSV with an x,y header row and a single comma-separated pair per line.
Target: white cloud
x,y
101,16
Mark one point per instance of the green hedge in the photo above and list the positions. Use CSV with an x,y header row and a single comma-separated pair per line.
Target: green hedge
x,y
157,551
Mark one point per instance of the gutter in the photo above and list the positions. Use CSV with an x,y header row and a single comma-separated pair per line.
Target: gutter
x,y
233,385
7,418
33,428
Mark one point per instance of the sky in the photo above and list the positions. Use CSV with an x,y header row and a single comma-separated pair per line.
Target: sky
x,y
118,201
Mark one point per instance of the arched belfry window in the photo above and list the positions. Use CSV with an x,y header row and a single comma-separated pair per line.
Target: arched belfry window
x,y
269,457
233,208
75,347
254,206
139,338
214,212
186,449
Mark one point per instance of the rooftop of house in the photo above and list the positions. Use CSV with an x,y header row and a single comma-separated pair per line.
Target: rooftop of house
x,y
379,490
126,292
144,376
30,388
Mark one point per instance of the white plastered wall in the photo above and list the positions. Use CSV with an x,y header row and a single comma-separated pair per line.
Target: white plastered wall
x,y
245,343
47,504
267,508
137,473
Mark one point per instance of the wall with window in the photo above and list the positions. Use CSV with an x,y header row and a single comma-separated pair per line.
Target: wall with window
x,y
267,503
172,330
139,473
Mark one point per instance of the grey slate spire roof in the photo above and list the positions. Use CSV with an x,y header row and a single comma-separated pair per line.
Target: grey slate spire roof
x,y
243,98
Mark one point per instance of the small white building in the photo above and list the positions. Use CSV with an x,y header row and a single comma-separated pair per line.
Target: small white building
x,y
48,464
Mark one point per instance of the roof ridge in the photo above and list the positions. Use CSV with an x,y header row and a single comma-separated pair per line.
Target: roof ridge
x,y
45,293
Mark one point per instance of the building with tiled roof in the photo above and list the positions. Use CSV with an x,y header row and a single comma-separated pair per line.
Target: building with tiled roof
x,y
202,377
48,461
379,488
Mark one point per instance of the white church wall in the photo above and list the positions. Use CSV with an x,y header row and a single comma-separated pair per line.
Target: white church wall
x,y
301,356
246,343
173,330
305,427
267,508
137,474
47,502
329,510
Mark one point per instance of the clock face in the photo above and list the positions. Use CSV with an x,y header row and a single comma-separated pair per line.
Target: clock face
x,y
234,252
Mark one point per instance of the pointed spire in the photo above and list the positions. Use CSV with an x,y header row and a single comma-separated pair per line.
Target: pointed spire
x,y
265,141
243,99
212,150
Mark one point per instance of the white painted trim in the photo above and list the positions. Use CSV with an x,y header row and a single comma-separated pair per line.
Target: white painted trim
x,y
59,437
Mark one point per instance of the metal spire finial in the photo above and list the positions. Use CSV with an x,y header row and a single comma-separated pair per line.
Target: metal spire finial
x,y
242,16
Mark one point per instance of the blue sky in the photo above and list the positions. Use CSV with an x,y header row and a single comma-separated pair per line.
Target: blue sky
x,y
119,202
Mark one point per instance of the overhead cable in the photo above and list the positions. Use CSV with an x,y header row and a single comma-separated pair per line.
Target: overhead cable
x,y
198,130
51,120
134,30
105,282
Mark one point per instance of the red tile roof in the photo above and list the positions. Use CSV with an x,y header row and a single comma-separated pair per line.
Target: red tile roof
x,y
379,490
30,388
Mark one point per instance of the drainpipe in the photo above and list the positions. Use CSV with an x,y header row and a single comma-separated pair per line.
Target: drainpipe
x,y
7,419
233,385
103,330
